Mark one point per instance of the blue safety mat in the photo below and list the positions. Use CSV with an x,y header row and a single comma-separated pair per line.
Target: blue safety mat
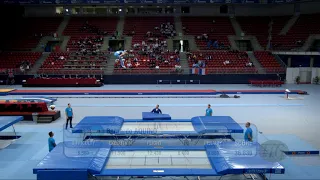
x,y
215,124
67,156
296,146
235,158
7,121
154,116
103,124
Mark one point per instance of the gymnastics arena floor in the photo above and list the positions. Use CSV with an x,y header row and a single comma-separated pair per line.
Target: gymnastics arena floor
x,y
294,121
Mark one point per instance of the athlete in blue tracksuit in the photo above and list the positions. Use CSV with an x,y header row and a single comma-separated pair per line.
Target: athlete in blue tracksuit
x,y
119,55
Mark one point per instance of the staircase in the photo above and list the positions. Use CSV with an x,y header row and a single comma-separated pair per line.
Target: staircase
x,y
38,63
120,25
178,25
63,25
255,62
236,26
65,40
289,24
110,65
279,60
184,63
306,46
44,119
192,43
127,42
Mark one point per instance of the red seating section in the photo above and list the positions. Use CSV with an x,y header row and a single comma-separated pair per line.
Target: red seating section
x,y
76,23
268,61
62,81
81,65
304,26
23,107
238,60
141,25
14,59
26,39
264,83
52,63
259,27
219,30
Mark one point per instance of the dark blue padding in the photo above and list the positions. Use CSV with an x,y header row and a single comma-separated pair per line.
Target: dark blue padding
x,y
67,156
155,116
158,172
224,158
62,174
215,124
103,124
7,121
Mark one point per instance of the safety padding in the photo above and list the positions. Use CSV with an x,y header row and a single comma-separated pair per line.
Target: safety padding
x,y
154,116
215,124
99,124
235,158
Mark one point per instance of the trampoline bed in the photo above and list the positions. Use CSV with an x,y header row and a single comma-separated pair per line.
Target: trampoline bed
x,y
104,160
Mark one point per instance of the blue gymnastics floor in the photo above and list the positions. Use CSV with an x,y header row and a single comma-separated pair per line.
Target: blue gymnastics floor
x,y
18,160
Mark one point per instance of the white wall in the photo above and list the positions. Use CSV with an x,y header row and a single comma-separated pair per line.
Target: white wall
x,y
306,74
292,73
315,73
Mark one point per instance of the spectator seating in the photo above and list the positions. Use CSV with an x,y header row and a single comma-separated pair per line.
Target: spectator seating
x,y
62,82
26,109
141,25
259,27
76,31
73,64
269,62
300,31
219,30
266,83
104,24
10,60
31,30
144,64
238,61
53,61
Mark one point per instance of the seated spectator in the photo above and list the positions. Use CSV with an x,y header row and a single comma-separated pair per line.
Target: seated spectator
x,y
226,62
129,65
177,68
249,64
177,60
61,58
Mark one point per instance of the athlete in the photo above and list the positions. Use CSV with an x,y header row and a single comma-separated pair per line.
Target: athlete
x,y
120,55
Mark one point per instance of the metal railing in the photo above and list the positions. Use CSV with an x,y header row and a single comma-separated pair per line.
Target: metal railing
x,y
160,71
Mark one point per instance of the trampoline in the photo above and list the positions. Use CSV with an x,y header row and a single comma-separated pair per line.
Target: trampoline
x,y
198,127
7,121
101,159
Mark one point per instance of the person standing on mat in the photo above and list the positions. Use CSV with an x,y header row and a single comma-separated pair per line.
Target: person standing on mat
x,y
157,110
248,133
69,115
209,110
51,141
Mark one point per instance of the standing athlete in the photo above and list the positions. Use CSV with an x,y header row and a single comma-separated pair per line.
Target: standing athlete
x,y
209,111
69,115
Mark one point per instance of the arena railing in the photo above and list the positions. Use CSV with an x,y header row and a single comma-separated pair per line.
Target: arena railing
x,y
146,71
